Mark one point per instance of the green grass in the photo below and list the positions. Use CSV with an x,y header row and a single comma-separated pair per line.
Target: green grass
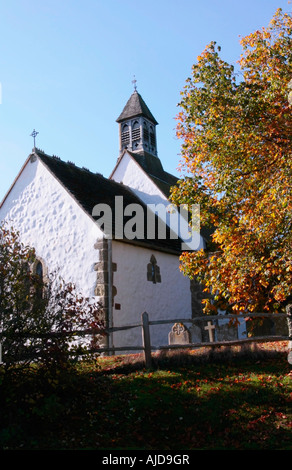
x,y
215,400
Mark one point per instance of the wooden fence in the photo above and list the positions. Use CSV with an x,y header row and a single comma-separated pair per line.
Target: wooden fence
x,y
147,347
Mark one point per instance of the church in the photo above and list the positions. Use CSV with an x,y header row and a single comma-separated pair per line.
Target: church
x,y
81,225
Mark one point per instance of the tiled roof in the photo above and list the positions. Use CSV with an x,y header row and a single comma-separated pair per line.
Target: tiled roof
x,y
89,189
136,106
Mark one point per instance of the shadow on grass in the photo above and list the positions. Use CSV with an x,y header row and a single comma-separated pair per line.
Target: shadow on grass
x,y
252,354
187,401
217,400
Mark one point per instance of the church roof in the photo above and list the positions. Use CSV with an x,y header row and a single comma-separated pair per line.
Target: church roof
x,y
89,189
136,106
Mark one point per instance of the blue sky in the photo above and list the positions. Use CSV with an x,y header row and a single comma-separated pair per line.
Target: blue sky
x,y
66,70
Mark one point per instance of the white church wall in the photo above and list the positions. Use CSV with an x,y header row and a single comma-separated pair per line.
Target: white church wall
x,y
52,222
170,298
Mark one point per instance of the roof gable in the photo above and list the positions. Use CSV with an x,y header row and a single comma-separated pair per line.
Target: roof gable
x,y
153,168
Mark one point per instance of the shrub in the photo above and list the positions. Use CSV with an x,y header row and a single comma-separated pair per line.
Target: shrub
x,y
40,321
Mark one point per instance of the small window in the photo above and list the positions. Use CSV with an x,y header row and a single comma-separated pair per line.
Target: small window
x,y
153,271
39,270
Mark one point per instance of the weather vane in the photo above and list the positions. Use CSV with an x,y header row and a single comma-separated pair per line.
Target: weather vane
x,y
134,83
34,134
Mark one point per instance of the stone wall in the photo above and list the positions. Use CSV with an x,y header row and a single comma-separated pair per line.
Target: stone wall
x,y
102,272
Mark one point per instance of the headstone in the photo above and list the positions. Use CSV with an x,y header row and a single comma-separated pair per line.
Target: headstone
x,y
226,332
178,334
210,328
196,334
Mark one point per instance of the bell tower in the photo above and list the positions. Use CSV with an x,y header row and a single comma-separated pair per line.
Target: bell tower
x,y
137,127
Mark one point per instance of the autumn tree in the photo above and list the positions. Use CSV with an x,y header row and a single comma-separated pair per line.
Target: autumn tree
x,y
236,128
40,320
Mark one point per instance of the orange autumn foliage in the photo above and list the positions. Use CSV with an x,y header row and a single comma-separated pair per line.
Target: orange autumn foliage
x,y
236,130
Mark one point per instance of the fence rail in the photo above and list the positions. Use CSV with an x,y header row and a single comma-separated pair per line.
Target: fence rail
x,y
147,348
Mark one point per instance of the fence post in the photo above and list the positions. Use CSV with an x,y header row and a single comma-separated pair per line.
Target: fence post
x,y
146,340
289,324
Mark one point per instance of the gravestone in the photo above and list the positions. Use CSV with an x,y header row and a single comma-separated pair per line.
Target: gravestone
x,y
210,328
196,334
226,332
179,334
